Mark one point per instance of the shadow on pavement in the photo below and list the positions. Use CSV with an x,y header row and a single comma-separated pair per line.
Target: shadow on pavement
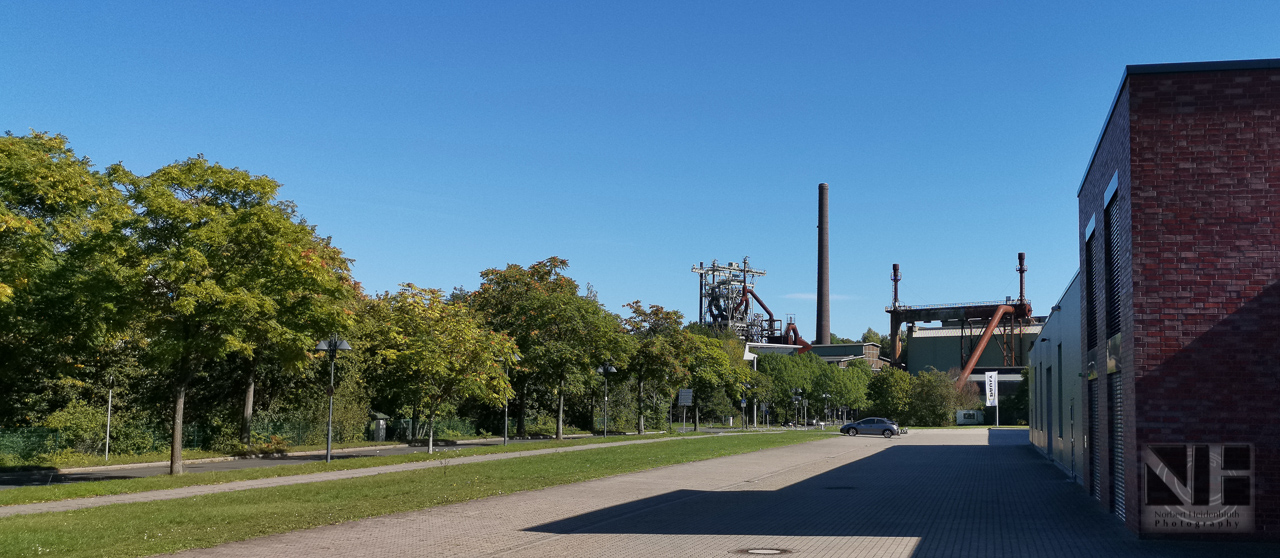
x,y
1001,499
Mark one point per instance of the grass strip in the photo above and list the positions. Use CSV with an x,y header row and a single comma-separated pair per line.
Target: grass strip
x,y
78,460
144,529
51,493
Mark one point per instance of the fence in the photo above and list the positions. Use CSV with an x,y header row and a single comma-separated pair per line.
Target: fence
x,y
446,427
27,443
18,445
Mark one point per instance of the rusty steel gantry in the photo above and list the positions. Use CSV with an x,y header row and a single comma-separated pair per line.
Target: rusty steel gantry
x,y
1014,315
727,300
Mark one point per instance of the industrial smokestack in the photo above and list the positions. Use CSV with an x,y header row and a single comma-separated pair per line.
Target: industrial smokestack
x,y
1022,276
823,335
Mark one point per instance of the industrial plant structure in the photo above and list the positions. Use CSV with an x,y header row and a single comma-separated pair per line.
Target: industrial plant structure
x,y
727,299
1008,322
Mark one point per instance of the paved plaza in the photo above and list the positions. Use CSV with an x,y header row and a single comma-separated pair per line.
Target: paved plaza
x,y
946,493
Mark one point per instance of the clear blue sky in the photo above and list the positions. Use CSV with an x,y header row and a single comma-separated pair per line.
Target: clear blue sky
x,y
433,140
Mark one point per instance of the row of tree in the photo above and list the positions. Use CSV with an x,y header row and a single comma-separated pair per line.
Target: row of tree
x,y
195,287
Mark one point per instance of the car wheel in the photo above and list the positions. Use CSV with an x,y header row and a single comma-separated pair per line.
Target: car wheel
x,y
853,431
887,433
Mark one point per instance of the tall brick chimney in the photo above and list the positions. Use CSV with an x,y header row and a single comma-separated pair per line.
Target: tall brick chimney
x,y
823,335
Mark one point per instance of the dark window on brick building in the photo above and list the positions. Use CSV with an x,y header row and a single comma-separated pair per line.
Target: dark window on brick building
x,y
1091,294
1112,220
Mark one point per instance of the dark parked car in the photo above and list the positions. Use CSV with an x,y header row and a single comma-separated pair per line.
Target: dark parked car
x,y
873,425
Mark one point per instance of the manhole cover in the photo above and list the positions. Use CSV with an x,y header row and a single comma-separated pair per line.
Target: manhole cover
x,y
762,551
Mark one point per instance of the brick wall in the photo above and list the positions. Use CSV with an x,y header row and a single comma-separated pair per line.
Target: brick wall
x,y
1204,158
1112,159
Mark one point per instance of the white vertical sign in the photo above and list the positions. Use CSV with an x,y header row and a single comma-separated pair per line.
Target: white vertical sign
x,y
993,399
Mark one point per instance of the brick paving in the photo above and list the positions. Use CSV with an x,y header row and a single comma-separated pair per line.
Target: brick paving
x,y
945,493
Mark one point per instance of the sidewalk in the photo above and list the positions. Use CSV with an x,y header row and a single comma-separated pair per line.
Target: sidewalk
x,y
174,493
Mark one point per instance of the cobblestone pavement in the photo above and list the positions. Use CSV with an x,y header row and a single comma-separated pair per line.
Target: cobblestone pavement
x,y
945,493
174,493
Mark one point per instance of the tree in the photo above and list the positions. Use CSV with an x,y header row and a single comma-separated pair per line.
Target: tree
x,y
441,353
63,284
713,373
1018,406
889,393
837,340
871,336
661,357
572,335
795,376
311,297
933,398
846,386
562,335
212,270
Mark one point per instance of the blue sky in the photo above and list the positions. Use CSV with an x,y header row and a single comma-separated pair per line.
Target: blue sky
x,y
432,140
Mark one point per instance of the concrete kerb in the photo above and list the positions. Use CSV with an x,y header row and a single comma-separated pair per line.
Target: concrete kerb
x,y
198,490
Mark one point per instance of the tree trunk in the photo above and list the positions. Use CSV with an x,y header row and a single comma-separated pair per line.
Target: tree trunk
x,y
245,428
431,432
560,418
520,426
697,416
640,406
413,426
175,449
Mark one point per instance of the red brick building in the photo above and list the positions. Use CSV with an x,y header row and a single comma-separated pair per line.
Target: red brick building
x,y
1179,232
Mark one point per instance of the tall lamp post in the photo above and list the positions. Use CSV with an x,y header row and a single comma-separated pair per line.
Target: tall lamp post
x,y
332,345
505,403
111,385
826,412
604,371
796,399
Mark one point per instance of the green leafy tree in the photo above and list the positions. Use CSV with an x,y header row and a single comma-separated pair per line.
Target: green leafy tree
x,y
889,393
442,353
563,335
933,399
793,376
1018,406
64,280
846,386
661,359
311,289
713,374
871,336
211,271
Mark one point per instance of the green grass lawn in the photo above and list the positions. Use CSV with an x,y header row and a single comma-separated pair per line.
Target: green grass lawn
x,y
33,494
77,460
143,529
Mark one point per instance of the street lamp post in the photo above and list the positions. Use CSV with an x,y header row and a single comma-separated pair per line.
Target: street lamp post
x,y
826,412
111,384
604,371
506,402
332,345
797,398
